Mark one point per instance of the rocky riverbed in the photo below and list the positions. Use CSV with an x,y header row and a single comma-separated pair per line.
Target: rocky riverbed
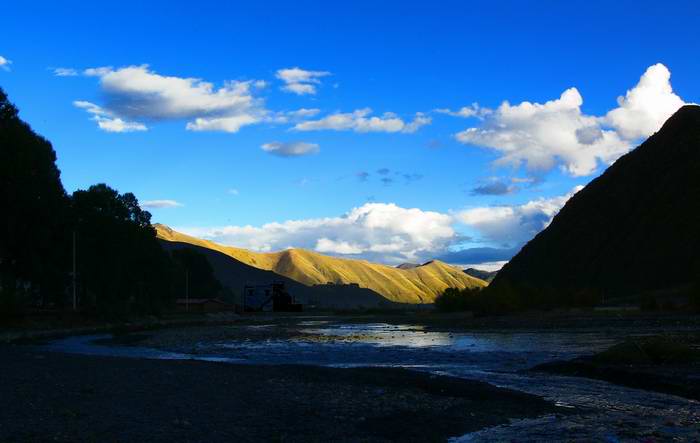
x,y
49,396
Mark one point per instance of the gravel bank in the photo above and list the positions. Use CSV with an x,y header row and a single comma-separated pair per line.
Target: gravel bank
x,y
60,397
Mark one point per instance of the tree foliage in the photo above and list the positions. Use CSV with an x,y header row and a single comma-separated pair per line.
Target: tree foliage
x,y
453,299
121,267
33,222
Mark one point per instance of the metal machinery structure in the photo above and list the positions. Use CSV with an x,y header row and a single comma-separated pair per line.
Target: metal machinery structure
x,y
272,297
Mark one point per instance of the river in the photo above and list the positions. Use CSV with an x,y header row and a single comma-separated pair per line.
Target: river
x,y
600,411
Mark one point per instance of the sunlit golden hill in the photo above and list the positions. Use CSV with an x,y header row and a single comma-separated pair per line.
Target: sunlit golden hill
x,y
416,285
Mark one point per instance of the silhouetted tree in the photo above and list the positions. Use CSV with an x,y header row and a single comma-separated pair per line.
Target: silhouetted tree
x,y
33,258
453,299
121,266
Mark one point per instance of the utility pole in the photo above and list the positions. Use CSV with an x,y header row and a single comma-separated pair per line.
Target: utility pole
x,y
75,297
187,290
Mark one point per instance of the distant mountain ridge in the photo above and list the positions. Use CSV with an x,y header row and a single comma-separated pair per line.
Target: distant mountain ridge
x,y
486,276
420,284
634,229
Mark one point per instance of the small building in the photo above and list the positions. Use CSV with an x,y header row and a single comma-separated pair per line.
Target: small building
x,y
201,305
272,297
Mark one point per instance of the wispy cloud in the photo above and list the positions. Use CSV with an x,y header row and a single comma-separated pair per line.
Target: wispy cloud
x,y
361,121
5,63
291,149
494,186
161,204
474,110
300,81
65,72
107,121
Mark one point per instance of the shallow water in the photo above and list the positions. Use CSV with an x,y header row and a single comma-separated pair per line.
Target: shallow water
x,y
605,412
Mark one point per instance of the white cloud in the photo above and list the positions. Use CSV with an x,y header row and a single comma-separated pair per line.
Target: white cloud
x,y
138,93
327,246
645,108
160,204
361,121
233,191
98,72
5,63
226,124
489,266
65,72
300,81
290,149
291,116
516,224
388,233
304,112
541,136
375,231
474,110
107,121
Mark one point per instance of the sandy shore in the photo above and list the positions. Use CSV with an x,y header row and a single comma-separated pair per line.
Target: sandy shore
x,y
61,397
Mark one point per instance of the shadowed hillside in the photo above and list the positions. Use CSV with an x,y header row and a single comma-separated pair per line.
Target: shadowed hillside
x,y
636,228
486,276
416,285
234,274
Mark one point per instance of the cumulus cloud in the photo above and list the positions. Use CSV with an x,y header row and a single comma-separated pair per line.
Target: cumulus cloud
x,y
107,121
361,121
300,81
375,231
645,108
541,136
160,204
5,63
392,234
513,225
291,149
138,93
325,245
65,72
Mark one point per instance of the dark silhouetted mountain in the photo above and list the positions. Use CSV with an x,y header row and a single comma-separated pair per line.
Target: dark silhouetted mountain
x,y
408,265
487,276
634,229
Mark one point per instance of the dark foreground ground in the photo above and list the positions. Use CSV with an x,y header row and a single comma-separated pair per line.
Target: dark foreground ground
x,y
59,397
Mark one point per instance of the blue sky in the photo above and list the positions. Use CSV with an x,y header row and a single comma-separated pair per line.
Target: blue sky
x,y
227,155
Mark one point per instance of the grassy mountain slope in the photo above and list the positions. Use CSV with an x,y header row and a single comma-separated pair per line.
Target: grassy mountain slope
x,y
417,285
233,274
